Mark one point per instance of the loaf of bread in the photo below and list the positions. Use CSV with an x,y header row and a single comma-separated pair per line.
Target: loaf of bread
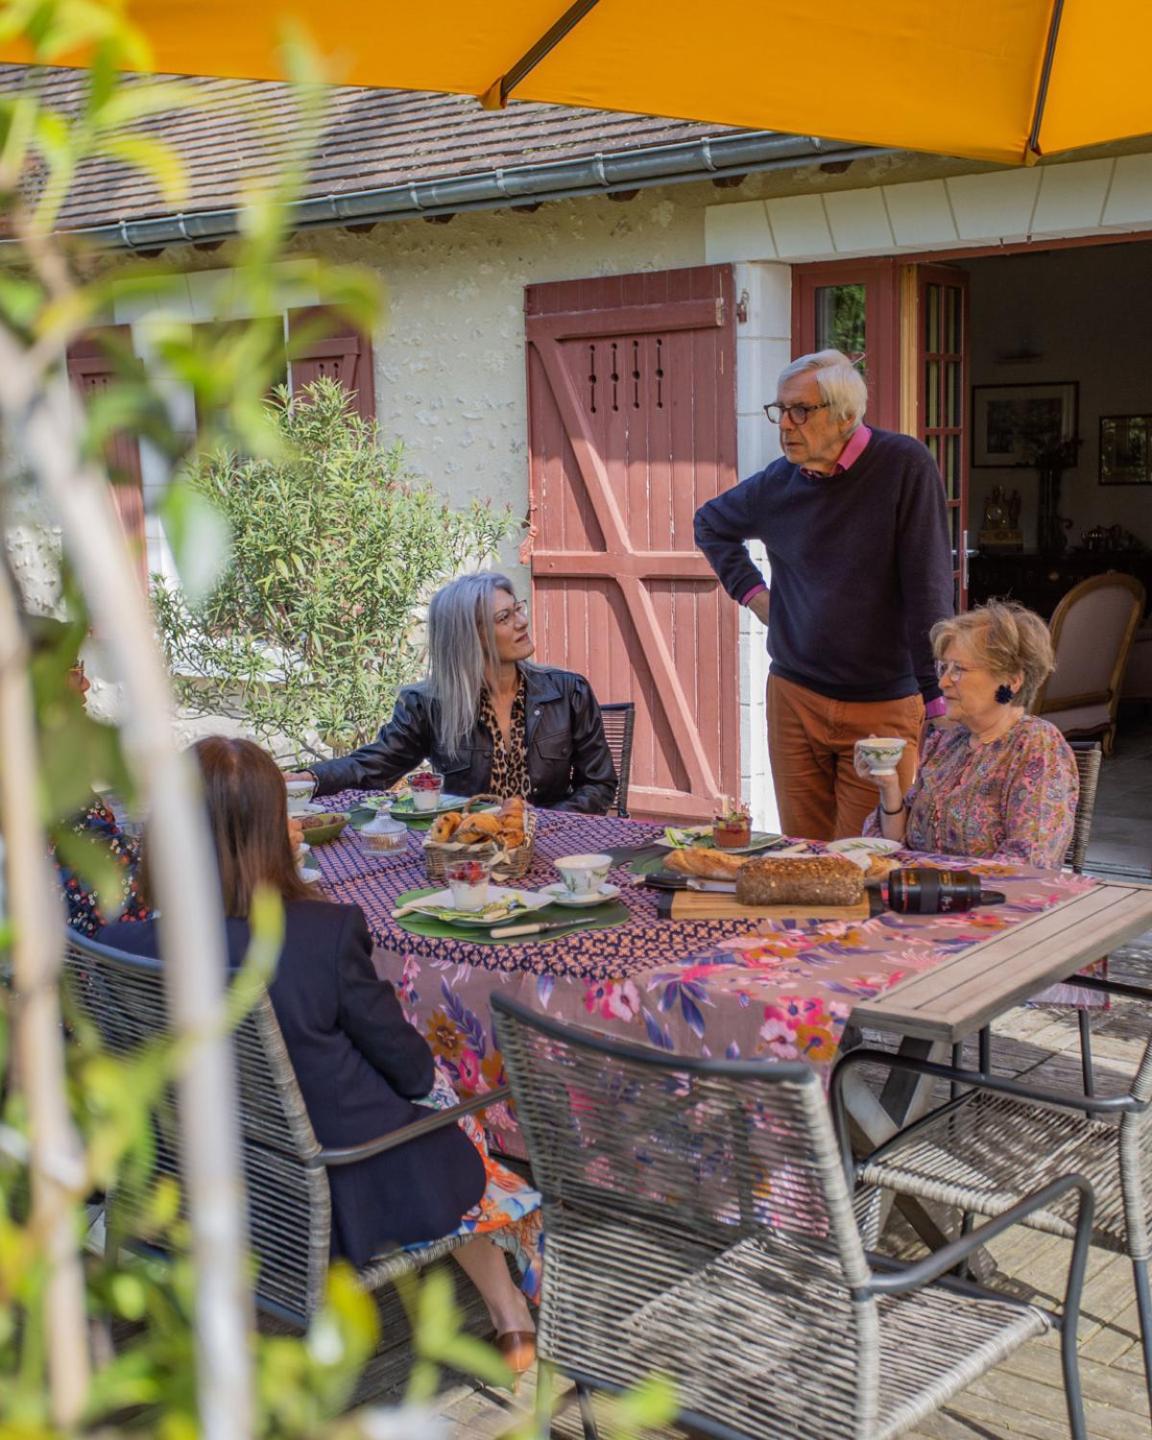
x,y
821,880
707,864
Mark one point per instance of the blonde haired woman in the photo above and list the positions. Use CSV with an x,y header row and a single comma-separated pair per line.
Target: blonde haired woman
x,y
998,781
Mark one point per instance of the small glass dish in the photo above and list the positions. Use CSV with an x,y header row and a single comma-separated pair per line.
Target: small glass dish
x,y
425,787
732,832
383,836
468,880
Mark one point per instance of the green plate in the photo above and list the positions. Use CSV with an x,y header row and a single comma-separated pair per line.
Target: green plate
x,y
761,840
613,912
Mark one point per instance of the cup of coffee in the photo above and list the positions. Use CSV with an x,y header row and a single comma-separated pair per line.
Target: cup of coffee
x,y
583,875
880,754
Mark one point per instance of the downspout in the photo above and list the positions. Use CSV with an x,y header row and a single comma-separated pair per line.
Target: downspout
x,y
750,152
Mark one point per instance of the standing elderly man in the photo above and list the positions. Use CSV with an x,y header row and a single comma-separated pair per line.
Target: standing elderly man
x,y
855,526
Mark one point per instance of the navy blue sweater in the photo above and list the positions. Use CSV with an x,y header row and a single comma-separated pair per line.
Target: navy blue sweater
x,y
861,567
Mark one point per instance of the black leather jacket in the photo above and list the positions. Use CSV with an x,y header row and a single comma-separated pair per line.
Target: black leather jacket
x,y
569,764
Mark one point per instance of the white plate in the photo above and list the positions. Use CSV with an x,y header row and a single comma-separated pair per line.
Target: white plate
x,y
861,848
434,905
558,895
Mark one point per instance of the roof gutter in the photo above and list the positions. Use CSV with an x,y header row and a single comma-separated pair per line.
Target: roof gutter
x,y
744,153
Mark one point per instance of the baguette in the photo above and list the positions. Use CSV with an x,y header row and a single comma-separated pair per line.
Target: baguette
x,y
707,864
822,880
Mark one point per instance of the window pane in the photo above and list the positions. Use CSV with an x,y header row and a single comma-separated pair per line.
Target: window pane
x,y
932,394
953,400
953,327
840,323
932,319
952,467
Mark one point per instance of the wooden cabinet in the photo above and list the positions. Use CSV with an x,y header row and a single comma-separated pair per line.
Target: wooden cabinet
x,y
1041,581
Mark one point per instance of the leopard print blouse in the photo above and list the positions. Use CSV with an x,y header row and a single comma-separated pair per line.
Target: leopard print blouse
x,y
509,763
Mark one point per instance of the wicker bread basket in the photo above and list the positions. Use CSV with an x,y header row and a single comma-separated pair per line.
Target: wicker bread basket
x,y
507,864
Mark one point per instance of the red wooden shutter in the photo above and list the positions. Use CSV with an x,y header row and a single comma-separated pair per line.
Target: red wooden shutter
x,y
334,350
91,369
632,425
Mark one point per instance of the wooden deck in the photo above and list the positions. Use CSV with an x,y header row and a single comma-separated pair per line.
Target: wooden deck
x,y
1022,1399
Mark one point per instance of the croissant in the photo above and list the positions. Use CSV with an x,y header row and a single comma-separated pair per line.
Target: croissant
x,y
477,828
708,864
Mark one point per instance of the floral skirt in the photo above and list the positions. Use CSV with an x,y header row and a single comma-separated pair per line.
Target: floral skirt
x,y
508,1212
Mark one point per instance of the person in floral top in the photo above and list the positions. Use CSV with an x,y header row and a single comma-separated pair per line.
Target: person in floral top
x,y
996,780
95,822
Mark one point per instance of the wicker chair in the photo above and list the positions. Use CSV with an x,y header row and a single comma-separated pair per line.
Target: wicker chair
x,y
619,723
700,1224
1088,755
1001,1139
289,1206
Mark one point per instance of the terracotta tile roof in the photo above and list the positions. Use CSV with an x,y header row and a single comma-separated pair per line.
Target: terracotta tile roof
x,y
236,132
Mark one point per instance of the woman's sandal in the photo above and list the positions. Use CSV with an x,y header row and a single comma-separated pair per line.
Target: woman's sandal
x,y
517,1349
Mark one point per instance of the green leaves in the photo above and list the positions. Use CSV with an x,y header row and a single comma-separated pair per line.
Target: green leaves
x,y
316,623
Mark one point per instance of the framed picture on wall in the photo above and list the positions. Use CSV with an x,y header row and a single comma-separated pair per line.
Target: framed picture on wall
x,y
1012,424
1126,450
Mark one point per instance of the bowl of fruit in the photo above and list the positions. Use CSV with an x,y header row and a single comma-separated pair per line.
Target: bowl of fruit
x,y
731,825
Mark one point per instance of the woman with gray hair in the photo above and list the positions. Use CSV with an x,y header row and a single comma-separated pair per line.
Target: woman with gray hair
x,y
485,717
998,781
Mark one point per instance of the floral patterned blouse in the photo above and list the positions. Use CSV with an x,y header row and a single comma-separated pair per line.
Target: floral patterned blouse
x,y
1014,798
84,914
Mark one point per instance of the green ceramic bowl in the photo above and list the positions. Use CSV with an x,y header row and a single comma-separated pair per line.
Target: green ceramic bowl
x,y
319,829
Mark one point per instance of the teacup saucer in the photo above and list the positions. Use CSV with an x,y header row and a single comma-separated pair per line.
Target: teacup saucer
x,y
561,895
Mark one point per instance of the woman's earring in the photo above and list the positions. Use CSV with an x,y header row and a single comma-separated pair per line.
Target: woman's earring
x,y
1005,694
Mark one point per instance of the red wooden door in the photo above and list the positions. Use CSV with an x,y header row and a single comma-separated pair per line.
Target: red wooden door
x,y
941,397
632,425
854,306
91,370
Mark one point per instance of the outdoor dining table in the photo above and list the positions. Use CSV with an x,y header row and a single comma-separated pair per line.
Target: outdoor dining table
x,y
735,988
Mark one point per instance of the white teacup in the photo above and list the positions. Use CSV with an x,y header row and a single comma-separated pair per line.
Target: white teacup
x,y
296,788
583,874
880,754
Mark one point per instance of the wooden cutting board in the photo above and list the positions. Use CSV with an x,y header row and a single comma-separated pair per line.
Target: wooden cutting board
x,y
712,905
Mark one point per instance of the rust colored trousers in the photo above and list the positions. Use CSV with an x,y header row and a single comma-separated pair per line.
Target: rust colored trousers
x,y
810,744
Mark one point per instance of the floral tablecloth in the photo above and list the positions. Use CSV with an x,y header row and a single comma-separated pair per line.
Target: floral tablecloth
x,y
777,989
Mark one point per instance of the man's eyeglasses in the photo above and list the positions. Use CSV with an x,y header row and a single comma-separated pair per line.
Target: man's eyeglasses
x,y
798,414
519,611
944,668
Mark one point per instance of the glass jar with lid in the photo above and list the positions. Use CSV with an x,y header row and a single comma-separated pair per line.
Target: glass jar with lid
x,y
383,836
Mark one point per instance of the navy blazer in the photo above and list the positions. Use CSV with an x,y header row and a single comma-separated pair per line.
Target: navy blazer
x,y
359,1065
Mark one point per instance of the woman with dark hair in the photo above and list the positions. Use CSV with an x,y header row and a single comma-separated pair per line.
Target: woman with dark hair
x,y
485,717
361,1066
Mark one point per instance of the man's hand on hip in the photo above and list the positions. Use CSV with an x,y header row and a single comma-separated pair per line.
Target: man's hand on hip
x,y
759,605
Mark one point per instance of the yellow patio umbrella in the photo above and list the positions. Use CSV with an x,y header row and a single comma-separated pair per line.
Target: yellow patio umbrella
x,y
1003,80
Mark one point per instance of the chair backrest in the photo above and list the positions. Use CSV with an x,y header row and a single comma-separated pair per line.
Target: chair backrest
x,y
1088,755
289,1205
619,723
677,1193
1092,630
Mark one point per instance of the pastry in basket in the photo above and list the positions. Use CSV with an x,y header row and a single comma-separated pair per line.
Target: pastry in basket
x,y
444,827
707,864
477,830
821,880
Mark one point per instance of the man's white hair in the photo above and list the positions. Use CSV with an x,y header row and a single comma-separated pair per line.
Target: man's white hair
x,y
842,386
